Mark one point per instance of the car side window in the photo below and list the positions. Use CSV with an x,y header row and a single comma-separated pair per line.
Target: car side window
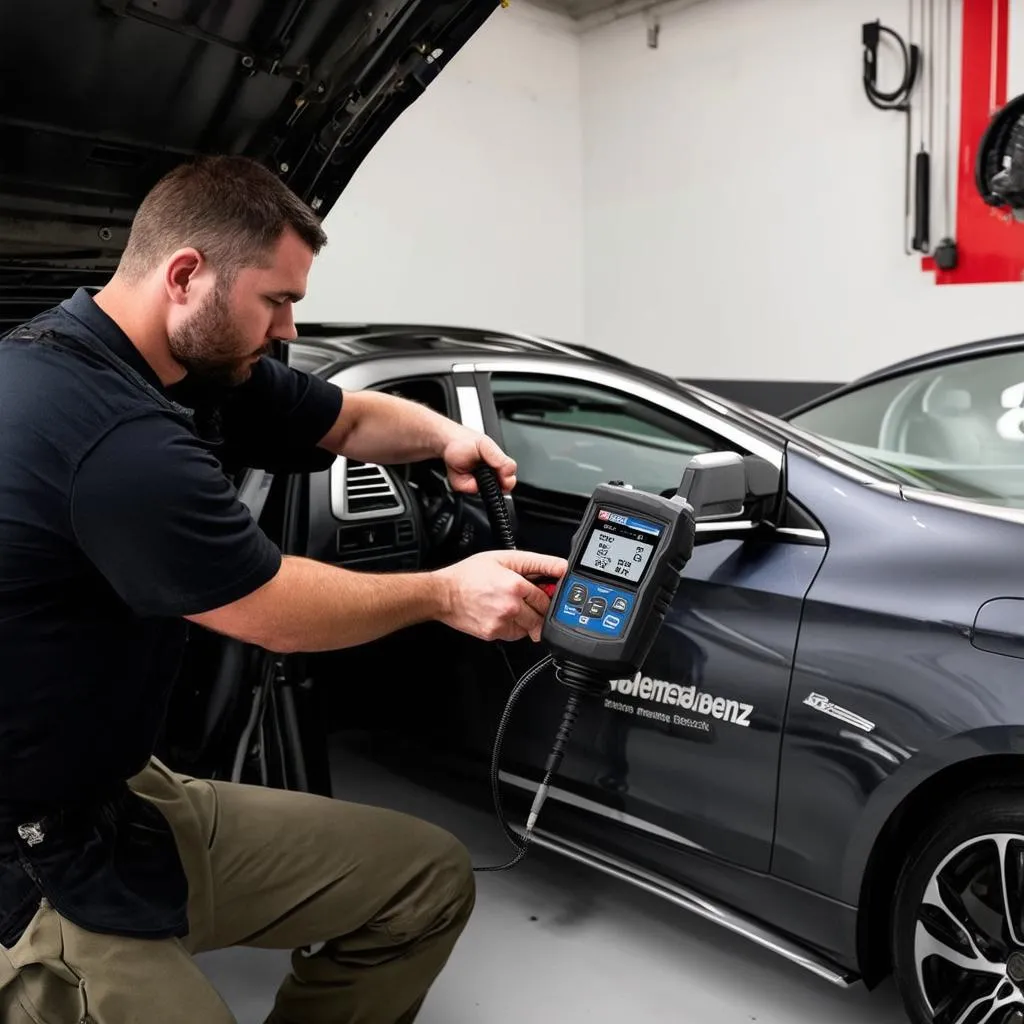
x,y
568,436
967,412
956,428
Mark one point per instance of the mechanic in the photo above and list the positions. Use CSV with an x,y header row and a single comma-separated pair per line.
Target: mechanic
x,y
120,530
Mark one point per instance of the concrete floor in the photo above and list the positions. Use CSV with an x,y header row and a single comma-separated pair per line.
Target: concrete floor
x,y
554,941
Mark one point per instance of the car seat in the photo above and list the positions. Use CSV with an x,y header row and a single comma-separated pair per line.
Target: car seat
x,y
948,428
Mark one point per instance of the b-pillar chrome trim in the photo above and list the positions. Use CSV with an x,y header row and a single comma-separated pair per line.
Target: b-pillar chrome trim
x,y
470,413
689,900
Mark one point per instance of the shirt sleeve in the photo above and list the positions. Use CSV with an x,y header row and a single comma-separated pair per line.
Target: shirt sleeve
x,y
275,420
154,512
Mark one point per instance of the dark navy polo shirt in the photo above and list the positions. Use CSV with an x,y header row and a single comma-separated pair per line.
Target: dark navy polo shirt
x,y
118,516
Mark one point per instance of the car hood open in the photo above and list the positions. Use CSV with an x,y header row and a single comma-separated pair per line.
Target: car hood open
x,y
98,98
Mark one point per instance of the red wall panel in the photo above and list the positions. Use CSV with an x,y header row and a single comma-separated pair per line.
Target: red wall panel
x,y
990,245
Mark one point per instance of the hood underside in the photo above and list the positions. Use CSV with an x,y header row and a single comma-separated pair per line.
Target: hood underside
x,y
99,98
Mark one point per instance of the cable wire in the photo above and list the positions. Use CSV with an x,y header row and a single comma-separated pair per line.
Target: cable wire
x,y
899,98
520,847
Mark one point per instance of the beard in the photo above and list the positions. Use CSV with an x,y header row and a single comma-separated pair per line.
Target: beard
x,y
210,347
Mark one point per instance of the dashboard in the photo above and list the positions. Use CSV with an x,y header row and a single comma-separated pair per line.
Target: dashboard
x,y
394,518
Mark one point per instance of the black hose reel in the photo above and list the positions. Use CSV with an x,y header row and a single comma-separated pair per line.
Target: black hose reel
x,y
999,167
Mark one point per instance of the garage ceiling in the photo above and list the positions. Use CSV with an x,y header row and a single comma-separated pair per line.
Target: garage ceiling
x,y
594,12
578,9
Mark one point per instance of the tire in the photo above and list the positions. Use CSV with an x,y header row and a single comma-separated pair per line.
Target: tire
x,y
967,968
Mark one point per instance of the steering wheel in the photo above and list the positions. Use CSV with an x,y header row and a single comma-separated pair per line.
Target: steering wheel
x,y
441,506
456,524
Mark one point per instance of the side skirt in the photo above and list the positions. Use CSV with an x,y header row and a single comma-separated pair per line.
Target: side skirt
x,y
687,899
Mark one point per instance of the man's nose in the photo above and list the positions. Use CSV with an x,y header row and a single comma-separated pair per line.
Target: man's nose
x,y
283,327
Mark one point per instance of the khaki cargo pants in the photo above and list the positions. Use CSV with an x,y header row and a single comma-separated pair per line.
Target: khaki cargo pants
x,y
387,895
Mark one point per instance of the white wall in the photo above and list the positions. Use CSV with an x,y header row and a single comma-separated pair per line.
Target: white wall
x,y
469,210
744,201
587,187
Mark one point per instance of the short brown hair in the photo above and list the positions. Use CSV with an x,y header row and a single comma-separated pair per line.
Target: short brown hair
x,y
231,208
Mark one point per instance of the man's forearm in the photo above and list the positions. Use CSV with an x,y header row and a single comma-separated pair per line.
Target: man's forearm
x,y
310,606
381,428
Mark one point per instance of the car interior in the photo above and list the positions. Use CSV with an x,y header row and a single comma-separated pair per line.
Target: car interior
x,y
955,428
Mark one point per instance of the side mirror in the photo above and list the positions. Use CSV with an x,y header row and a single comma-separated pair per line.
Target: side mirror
x,y
715,485
726,487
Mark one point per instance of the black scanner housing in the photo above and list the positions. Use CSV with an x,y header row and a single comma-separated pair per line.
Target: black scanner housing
x,y
613,656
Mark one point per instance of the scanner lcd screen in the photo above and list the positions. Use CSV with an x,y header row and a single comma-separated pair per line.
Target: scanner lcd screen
x,y
620,549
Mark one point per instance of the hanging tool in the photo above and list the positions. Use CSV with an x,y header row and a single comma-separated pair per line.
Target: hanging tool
x,y
899,99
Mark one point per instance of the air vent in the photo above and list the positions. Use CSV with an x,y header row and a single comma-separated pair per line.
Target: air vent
x,y
406,533
362,490
368,490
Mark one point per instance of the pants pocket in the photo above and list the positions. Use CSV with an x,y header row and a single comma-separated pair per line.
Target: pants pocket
x,y
70,984
47,993
73,1010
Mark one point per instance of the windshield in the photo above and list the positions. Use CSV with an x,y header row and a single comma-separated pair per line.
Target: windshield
x,y
958,429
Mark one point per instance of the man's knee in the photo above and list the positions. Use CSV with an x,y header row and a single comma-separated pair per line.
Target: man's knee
x,y
459,864
454,885
442,897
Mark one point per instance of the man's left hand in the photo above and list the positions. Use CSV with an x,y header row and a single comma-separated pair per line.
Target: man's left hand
x,y
466,451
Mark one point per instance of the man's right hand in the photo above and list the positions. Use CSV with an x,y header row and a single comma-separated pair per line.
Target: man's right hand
x,y
311,606
489,596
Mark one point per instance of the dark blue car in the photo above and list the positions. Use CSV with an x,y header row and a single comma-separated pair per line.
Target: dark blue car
x,y
823,750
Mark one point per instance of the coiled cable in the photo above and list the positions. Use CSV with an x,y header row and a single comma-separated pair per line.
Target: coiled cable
x,y
899,98
495,506
580,681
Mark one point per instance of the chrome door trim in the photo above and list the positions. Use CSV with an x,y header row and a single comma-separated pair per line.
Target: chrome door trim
x,y
606,378
975,508
724,526
688,899
746,526
594,806
802,532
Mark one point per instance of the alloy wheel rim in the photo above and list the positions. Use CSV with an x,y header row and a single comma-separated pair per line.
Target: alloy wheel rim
x,y
969,934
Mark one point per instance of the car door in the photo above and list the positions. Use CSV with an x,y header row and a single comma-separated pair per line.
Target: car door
x,y
686,750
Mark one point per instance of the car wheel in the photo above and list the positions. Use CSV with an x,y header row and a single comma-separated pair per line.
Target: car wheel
x,y
958,916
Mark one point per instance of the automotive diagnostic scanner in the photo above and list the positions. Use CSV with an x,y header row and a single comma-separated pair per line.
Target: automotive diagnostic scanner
x,y
624,568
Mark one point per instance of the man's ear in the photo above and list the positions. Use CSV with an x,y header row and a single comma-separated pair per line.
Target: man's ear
x,y
180,273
